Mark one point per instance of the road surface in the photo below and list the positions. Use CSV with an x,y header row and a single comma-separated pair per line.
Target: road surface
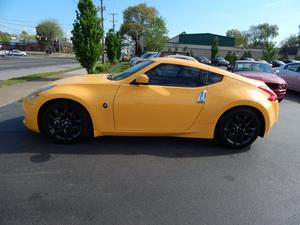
x,y
12,66
149,181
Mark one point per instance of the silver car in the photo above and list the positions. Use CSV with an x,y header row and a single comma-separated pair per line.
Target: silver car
x,y
182,57
16,52
291,74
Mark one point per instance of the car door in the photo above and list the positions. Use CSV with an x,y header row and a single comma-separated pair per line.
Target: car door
x,y
290,75
297,79
171,102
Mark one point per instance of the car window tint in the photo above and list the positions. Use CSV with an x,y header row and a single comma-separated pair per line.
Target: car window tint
x,y
164,74
213,78
293,67
180,76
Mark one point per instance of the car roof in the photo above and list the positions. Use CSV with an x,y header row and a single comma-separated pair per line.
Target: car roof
x,y
181,57
250,61
292,63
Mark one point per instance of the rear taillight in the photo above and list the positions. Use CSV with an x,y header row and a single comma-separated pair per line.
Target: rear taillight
x,y
273,96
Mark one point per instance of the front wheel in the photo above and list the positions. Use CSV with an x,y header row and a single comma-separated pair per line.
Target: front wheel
x,y
66,122
238,128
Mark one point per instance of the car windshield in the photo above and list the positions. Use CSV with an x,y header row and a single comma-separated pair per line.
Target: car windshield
x,y
256,67
129,71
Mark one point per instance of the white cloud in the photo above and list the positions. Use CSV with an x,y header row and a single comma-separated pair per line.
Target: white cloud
x,y
273,3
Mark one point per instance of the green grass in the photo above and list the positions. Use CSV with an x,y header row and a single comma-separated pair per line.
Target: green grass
x,y
119,67
36,76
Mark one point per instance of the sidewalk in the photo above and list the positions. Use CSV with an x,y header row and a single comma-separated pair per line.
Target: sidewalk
x,y
15,92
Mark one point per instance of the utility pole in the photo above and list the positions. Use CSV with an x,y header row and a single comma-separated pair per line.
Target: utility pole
x,y
113,21
102,8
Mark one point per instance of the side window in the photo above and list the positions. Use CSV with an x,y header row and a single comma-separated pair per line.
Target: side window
x,y
163,74
293,67
298,68
181,76
213,78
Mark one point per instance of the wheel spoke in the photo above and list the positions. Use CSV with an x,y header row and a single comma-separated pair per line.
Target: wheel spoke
x,y
64,123
240,129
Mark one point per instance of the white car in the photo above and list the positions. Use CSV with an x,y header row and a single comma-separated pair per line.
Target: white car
x,y
2,53
16,52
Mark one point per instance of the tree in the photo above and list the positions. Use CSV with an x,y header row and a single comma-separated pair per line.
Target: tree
x,y
136,20
231,57
26,36
4,37
87,35
241,37
215,48
47,32
113,45
262,34
155,34
247,54
292,41
270,51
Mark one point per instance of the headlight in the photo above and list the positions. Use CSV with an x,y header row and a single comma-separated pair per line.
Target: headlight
x,y
282,86
35,94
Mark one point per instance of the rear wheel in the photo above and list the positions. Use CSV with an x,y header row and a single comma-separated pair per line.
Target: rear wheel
x,y
66,122
238,128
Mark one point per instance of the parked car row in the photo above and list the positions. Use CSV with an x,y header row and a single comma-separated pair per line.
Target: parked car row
x,y
260,70
150,55
13,52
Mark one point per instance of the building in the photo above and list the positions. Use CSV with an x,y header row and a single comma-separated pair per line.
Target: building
x,y
290,52
200,44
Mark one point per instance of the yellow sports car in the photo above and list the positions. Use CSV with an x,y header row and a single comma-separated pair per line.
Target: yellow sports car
x,y
158,97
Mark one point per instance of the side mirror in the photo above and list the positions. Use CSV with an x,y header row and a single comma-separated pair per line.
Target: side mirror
x,y
142,79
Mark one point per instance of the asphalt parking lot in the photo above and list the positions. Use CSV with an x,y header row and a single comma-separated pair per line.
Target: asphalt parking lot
x,y
149,181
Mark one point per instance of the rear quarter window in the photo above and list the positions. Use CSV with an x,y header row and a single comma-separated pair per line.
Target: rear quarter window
x,y
213,78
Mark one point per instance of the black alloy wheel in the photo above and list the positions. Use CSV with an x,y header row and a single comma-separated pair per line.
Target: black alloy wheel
x,y
66,122
238,128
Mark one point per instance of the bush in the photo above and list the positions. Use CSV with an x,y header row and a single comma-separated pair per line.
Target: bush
x,y
231,57
100,68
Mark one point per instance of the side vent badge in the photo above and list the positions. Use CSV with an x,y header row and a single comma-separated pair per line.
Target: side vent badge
x,y
105,105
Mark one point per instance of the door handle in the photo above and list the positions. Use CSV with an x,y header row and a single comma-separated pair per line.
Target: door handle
x,y
202,97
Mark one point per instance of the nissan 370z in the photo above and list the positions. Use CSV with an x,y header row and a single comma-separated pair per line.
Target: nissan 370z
x,y
157,97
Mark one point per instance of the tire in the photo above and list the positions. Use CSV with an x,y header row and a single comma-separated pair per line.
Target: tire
x,y
65,122
238,128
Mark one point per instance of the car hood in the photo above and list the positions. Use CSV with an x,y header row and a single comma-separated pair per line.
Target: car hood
x,y
84,79
265,77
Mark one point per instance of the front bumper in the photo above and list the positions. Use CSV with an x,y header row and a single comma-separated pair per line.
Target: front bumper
x,y
30,120
280,93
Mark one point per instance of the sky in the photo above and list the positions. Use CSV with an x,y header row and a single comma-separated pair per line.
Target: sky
x,y
191,16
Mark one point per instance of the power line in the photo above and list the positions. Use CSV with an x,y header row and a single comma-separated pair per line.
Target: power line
x,y
113,21
9,29
16,24
102,9
33,23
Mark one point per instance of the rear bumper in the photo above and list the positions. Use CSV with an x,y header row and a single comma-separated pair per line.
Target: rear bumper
x,y
272,116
